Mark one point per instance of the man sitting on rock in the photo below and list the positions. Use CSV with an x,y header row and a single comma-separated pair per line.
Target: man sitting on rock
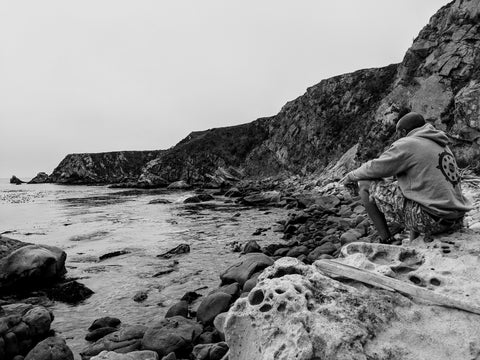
x,y
426,198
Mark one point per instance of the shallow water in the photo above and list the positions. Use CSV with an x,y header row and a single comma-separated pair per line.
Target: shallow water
x,y
89,221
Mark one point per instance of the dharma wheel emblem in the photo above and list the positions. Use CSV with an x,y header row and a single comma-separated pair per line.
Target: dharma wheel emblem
x,y
448,167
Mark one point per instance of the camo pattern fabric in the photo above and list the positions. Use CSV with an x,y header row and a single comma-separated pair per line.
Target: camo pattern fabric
x,y
391,202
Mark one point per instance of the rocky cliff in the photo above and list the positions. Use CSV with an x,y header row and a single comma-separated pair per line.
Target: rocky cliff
x,y
101,168
438,77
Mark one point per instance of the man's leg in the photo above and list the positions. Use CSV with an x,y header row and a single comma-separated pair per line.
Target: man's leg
x,y
373,212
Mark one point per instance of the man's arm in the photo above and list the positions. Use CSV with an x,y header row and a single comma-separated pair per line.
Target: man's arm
x,y
391,162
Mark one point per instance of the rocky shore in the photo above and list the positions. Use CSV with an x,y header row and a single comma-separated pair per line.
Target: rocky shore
x,y
271,286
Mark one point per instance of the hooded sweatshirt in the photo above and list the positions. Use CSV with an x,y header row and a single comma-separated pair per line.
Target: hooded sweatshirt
x,y
426,171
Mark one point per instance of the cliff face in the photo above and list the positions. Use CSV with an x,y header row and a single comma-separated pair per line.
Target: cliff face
x,y
101,168
439,77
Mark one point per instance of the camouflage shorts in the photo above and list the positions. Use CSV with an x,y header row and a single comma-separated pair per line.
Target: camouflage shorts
x,y
396,207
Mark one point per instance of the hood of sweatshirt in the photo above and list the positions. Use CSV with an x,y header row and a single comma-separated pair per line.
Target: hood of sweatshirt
x,y
427,131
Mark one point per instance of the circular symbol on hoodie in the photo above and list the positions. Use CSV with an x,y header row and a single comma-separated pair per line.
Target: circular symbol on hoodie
x,y
448,167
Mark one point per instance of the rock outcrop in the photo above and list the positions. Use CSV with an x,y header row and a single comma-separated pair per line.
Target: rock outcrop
x,y
16,181
102,168
22,326
296,312
40,178
27,265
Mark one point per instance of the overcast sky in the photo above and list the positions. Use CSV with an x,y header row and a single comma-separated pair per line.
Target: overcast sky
x,y
105,75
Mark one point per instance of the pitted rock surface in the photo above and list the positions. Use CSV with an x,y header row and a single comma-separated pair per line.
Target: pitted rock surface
x,y
295,312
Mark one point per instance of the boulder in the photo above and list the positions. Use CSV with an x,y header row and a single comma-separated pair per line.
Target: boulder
x,y
251,247
52,348
250,283
219,323
170,356
192,200
178,309
31,266
122,341
71,292
297,251
210,351
263,198
231,289
180,185
213,305
243,270
140,296
102,322
205,197
350,236
325,248
41,178
38,320
16,181
160,201
99,333
175,334
296,312
233,192
134,355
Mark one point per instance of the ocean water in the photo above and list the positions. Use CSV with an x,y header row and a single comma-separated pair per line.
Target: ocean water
x,y
89,221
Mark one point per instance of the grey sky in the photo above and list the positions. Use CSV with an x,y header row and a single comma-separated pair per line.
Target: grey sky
x,y
105,75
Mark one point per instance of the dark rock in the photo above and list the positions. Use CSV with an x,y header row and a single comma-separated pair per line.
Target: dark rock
x,y
243,270
349,236
233,193
41,178
124,340
326,248
16,181
231,289
179,185
210,351
31,266
140,296
297,251
192,200
269,250
205,197
178,309
290,229
264,198
104,322
170,356
180,249
327,202
11,344
213,305
105,168
251,247
251,283
281,251
38,320
71,292
159,201
99,333
190,296
175,334
52,348
113,254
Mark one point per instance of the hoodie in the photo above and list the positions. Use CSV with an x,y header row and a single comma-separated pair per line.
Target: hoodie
x,y
426,171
